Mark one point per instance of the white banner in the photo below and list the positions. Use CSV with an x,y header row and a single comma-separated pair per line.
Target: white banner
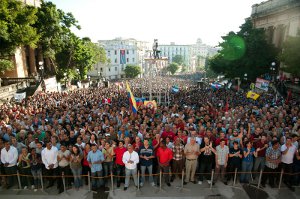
x,y
262,84
51,84
20,96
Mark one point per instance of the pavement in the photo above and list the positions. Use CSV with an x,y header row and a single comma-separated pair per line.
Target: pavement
x,y
189,191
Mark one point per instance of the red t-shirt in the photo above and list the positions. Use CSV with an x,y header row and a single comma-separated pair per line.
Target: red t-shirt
x,y
261,145
183,138
164,155
170,135
119,155
218,140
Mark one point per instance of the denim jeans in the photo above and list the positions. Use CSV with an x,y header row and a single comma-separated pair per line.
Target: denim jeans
x,y
97,182
36,177
246,167
77,177
128,173
143,169
107,168
120,172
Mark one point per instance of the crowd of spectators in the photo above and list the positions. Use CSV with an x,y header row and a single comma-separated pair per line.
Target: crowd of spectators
x,y
75,133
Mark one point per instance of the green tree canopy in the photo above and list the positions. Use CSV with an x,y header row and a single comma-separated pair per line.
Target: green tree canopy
x,y
16,29
172,68
178,59
132,71
246,51
290,55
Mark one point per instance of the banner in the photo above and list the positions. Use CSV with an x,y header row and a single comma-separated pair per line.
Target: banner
x,y
139,101
20,96
106,101
252,95
50,84
175,89
122,57
262,84
150,104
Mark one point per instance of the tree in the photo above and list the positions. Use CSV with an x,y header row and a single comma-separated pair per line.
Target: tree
x,y
132,71
290,55
16,30
172,68
246,51
178,59
54,27
79,54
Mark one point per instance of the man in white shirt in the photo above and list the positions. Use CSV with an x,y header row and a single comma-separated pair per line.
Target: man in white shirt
x,y
9,157
49,158
288,152
130,159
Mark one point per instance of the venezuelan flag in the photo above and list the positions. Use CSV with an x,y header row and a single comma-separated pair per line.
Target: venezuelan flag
x,y
132,101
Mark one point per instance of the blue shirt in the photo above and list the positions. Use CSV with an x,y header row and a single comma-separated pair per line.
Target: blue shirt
x,y
94,157
126,134
249,158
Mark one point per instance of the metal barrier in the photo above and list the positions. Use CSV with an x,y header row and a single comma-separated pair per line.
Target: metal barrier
x,y
111,176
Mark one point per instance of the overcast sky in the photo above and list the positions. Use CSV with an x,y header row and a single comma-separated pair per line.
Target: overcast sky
x,y
179,21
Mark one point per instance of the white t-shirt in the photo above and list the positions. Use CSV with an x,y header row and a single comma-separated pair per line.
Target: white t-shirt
x,y
289,156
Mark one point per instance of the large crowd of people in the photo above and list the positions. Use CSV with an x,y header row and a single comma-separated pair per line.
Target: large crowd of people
x,y
77,132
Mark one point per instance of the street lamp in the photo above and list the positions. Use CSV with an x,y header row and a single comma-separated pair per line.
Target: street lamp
x,y
65,78
89,78
272,69
41,68
245,76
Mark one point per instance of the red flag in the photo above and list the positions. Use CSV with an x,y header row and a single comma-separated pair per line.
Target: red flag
x,y
106,101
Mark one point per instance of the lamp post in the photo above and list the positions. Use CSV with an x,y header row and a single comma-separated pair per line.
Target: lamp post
x,y
89,78
41,68
98,77
65,78
272,69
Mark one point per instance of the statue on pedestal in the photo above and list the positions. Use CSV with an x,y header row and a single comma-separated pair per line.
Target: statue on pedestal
x,y
156,52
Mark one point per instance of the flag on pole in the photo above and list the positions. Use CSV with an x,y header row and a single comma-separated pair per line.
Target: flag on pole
x,y
252,95
106,101
132,101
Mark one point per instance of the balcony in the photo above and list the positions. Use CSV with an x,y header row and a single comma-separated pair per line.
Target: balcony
x,y
273,6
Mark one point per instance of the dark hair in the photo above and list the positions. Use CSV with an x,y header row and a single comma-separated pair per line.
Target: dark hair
x,y
274,142
78,150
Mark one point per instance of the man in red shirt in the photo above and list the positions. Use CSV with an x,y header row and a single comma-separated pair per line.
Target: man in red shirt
x,y
120,166
164,157
222,137
168,133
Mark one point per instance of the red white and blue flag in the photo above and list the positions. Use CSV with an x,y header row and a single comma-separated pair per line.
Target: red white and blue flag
x,y
122,57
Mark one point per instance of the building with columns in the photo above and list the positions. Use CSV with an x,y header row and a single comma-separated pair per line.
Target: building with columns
x,y
24,58
279,18
119,53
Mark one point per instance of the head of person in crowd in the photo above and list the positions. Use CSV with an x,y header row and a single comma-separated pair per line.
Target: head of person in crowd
x,y
130,148
94,147
275,144
75,150
162,144
49,145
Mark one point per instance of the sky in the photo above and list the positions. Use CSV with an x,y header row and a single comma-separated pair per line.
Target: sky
x,y
179,21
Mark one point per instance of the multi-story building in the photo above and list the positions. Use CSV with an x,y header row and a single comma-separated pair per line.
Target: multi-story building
x,y
172,49
120,52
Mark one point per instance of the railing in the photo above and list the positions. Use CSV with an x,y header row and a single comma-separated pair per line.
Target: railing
x,y
159,175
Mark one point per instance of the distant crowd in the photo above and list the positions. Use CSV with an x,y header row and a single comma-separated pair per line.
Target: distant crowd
x,y
77,132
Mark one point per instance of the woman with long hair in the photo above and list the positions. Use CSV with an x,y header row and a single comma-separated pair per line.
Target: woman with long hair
x,y
24,166
75,165
85,164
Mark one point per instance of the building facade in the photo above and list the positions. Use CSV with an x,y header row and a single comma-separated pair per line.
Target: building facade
x,y
171,50
119,53
279,18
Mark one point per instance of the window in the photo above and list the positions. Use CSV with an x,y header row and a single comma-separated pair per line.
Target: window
x,y
116,52
108,52
116,68
132,51
109,69
101,69
127,52
127,59
116,60
132,59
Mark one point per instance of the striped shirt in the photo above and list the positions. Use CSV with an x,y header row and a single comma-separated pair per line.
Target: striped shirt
x,y
272,154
